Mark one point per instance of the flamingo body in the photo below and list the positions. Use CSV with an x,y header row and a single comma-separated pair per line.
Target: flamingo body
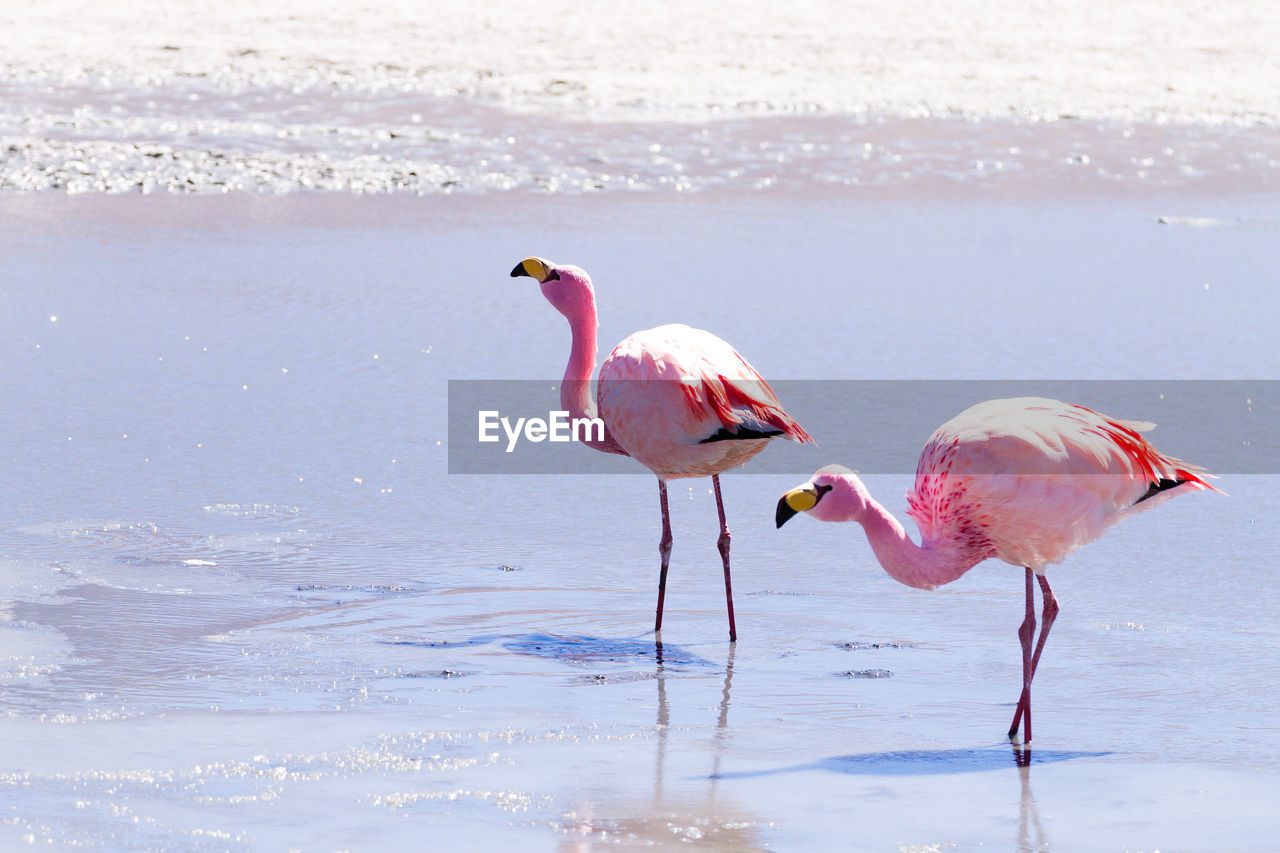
x,y
667,393
1025,480
1029,480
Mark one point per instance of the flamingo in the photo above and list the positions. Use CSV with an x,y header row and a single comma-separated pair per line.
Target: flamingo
x,y
1025,480
680,401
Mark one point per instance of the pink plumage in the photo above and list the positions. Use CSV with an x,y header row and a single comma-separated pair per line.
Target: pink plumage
x,y
678,400
1025,480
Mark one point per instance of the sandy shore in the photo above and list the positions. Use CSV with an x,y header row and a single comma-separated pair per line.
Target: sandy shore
x,y
1150,60
386,99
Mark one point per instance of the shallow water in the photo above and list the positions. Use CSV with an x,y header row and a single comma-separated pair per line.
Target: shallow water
x,y
245,607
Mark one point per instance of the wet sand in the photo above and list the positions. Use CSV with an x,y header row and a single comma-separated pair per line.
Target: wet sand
x,y
361,98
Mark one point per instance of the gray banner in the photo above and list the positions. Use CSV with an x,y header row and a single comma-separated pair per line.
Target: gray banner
x,y
879,426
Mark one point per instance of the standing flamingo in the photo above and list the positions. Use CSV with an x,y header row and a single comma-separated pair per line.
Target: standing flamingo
x,y
680,401
1026,480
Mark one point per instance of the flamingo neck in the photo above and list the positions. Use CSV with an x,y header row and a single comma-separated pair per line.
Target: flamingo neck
x,y
575,389
923,567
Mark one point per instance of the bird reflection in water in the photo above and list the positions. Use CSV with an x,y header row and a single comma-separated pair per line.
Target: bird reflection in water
x,y
720,738
684,818
1031,835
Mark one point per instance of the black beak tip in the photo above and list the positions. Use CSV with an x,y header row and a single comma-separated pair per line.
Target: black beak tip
x,y
784,514
519,270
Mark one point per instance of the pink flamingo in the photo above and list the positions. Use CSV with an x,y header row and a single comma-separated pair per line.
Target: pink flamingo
x,y
1025,480
680,401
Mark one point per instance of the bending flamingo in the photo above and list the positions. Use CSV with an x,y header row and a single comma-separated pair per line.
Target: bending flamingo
x,y
680,401
1025,480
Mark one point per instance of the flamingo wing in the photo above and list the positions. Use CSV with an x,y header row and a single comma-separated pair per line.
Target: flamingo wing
x,y
730,389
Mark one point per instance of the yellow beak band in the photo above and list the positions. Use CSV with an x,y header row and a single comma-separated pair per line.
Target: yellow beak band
x,y
535,268
802,500
796,501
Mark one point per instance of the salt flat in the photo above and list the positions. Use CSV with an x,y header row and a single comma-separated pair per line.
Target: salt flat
x,y
1148,60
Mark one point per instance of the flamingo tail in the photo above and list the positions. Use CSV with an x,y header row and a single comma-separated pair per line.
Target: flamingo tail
x,y
1162,472
746,408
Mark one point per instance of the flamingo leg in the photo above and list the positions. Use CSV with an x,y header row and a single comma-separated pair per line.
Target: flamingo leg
x,y
1026,633
723,545
664,548
1047,615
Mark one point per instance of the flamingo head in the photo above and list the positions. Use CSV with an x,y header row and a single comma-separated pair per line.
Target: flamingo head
x,y
568,288
834,493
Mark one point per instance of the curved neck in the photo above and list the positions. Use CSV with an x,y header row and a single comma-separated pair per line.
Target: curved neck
x,y
923,567
575,390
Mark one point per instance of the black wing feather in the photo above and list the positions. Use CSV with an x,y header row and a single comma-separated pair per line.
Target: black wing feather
x,y
1157,488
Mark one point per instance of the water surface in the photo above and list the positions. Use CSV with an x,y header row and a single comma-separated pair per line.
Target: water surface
x,y
245,607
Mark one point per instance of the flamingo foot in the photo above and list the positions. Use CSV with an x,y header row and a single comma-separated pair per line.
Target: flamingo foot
x,y
1022,717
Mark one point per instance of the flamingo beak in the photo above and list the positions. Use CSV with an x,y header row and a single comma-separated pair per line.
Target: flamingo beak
x,y
796,501
537,269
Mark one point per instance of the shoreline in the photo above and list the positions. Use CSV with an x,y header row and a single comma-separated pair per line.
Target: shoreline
x,y
452,146
1192,208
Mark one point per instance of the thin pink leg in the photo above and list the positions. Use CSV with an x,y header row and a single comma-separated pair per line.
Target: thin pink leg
x,y
664,548
723,544
1026,633
1047,615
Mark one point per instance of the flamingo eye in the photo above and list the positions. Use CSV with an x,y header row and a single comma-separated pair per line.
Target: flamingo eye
x,y
822,490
